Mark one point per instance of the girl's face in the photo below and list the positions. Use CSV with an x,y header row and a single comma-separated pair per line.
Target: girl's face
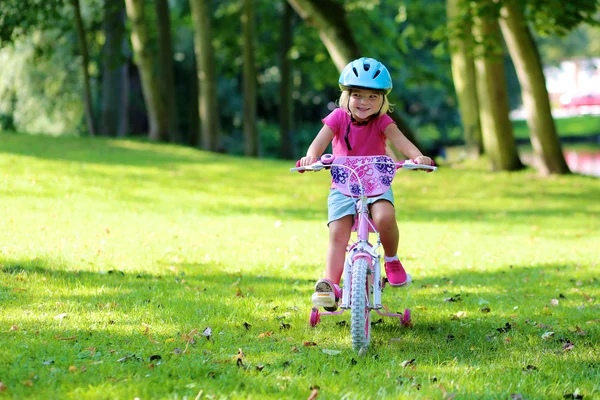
x,y
364,103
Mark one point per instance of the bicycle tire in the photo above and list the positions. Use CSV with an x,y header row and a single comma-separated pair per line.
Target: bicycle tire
x,y
360,317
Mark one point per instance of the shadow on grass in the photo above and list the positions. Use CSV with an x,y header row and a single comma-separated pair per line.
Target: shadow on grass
x,y
117,321
132,152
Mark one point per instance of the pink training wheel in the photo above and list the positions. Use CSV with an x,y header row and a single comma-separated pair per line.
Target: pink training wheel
x,y
327,159
406,318
315,317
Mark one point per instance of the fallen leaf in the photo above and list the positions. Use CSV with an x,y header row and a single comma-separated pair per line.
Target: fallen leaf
x,y
331,352
407,363
554,302
60,316
265,334
240,358
577,330
459,315
547,335
58,337
72,368
3,387
568,345
260,367
14,328
207,333
28,383
314,394
309,344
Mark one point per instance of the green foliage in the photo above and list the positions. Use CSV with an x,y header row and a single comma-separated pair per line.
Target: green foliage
x,y
40,87
560,17
22,17
117,256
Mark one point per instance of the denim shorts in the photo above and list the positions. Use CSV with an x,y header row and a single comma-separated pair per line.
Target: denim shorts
x,y
339,205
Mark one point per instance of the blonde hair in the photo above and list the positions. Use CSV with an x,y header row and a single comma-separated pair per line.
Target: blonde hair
x,y
344,101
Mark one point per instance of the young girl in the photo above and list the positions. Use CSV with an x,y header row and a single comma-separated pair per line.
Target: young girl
x,y
360,127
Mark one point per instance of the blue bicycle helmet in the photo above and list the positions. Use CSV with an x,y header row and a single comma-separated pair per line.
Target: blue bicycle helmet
x,y
366,73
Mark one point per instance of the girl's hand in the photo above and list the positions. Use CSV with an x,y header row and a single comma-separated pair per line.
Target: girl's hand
x,y
306,161
425,161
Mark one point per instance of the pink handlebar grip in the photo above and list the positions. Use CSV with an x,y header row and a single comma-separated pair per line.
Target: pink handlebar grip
x,y
297,165
327,159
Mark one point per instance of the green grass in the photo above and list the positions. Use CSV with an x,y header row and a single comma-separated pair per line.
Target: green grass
x,y
117,255
566,127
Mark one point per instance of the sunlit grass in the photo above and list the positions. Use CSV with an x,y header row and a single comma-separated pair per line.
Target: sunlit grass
x,y
116,256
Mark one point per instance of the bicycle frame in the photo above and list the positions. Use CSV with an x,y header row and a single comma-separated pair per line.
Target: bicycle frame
x,y
374,185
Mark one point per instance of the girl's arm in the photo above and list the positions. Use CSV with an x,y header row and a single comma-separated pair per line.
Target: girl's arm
x,y
318,146
405,146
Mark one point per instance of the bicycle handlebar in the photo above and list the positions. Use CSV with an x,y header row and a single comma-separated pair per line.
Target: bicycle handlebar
x,y
326,160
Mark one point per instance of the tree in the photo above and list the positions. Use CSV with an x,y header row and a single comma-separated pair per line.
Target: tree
x,y
207,76
251,141
113,68
85,61
165,56
463,72
498,139
140,40
528,65
287,142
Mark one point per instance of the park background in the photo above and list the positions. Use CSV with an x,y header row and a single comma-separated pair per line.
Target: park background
x,y
154,245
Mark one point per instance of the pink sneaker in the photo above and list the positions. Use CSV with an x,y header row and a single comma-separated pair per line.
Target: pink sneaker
x,y
326,295
396,274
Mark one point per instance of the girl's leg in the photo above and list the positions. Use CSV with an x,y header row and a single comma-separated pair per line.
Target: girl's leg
x,y
384,216
339,235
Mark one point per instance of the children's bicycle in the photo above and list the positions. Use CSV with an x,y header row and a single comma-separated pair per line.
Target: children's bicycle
x,y
361,178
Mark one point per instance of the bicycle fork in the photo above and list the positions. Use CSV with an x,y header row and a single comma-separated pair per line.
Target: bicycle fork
x,y
373,276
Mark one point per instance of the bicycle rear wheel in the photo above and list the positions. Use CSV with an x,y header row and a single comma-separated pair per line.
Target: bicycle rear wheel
x,y
360,317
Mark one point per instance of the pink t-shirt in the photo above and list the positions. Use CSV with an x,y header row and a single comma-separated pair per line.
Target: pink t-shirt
x,y
365,140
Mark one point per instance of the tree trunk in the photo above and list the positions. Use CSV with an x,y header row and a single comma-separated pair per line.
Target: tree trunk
x,y
496,127
123,127
287,142
463,74
329,17
145,62
112,67
83,48
524,53
207,76
167,78
251,141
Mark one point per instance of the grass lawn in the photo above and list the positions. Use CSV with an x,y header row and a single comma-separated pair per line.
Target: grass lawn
x,y
136,270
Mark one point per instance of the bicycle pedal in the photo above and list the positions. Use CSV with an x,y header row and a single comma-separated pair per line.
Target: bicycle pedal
x,y
321,299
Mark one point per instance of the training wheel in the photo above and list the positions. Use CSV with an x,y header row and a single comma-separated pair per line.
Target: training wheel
x,y
315,317
406,318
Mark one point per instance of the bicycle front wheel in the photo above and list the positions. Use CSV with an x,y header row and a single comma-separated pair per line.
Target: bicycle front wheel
x,y
360,317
